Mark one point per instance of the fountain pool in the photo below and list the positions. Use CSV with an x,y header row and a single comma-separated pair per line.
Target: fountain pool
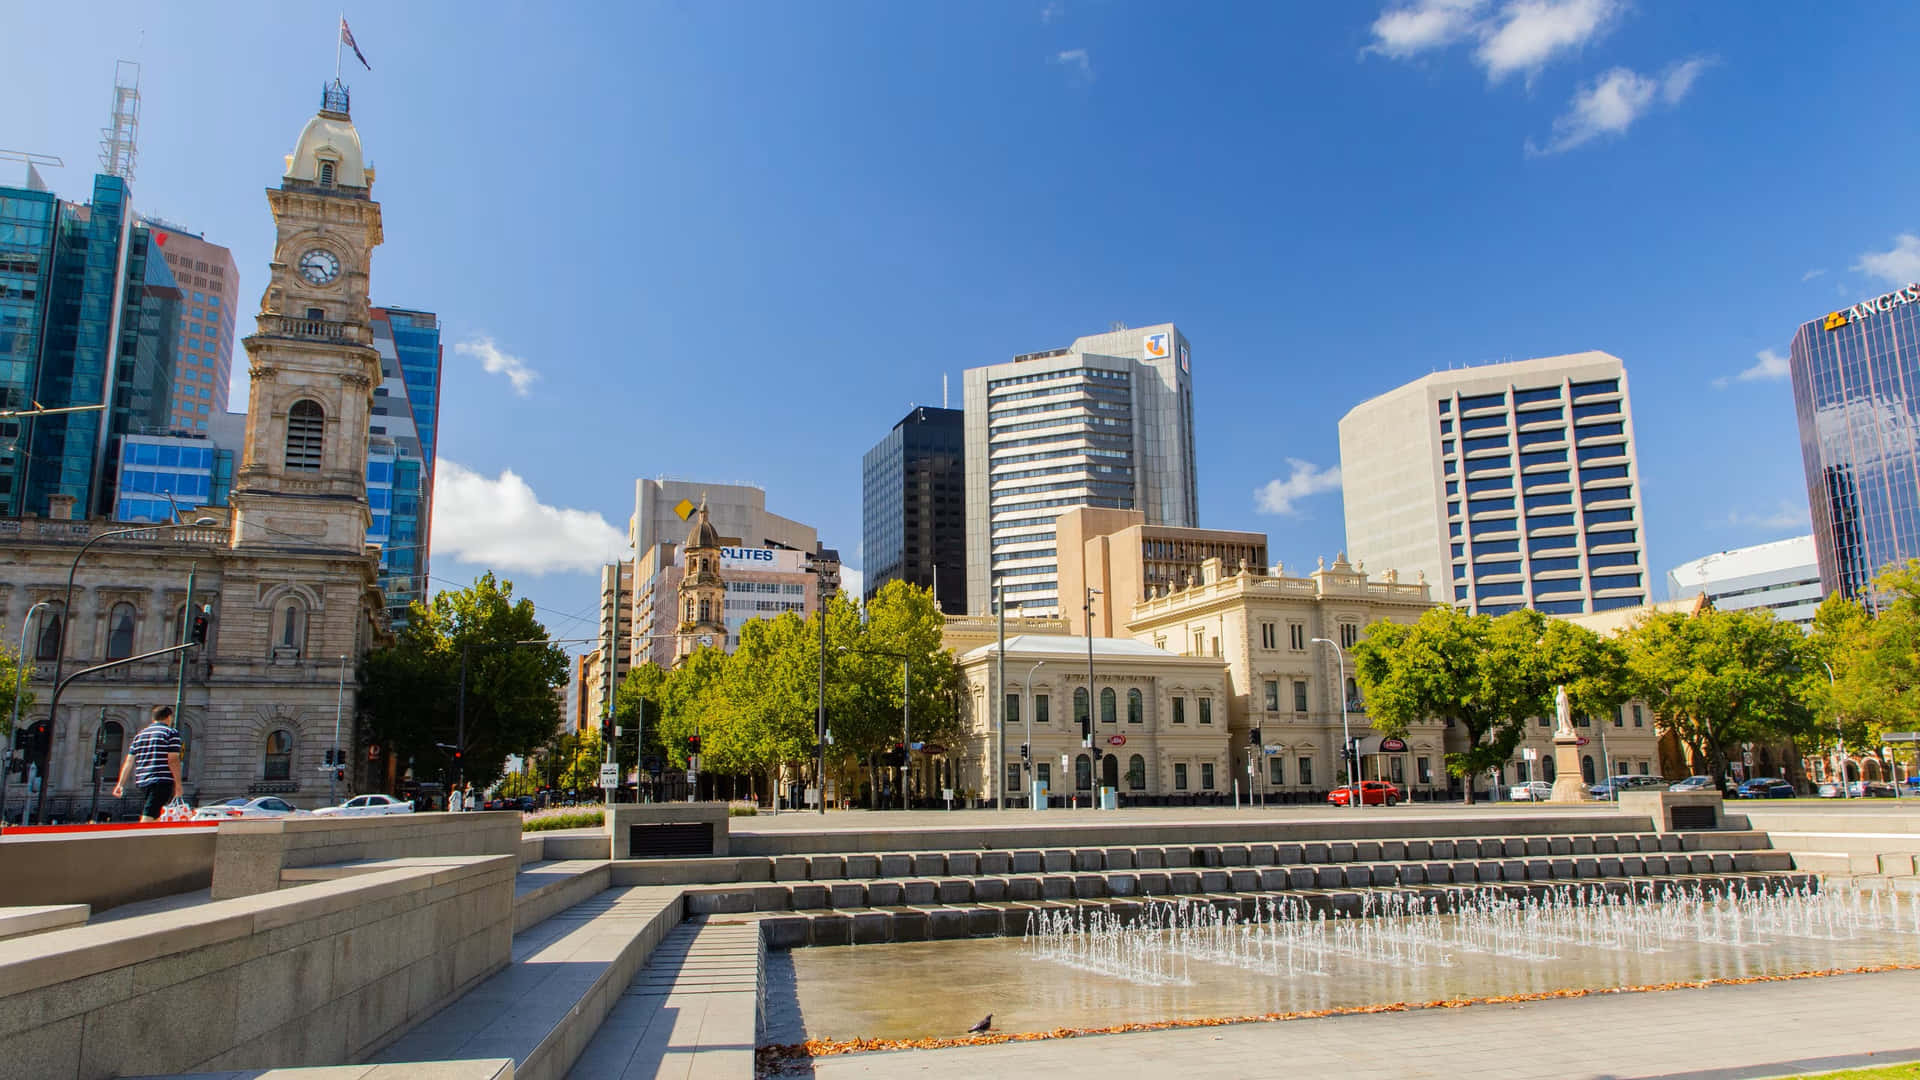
x,y
1182,959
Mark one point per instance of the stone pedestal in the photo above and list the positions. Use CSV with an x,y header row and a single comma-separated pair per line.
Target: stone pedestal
x,y
1568,785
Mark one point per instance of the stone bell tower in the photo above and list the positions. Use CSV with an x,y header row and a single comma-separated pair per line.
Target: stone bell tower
x,y
703,594
303,475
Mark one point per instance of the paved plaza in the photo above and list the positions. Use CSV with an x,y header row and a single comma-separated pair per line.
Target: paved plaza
x,y
1719,1033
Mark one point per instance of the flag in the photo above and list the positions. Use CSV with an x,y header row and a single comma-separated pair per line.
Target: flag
x,y
346,38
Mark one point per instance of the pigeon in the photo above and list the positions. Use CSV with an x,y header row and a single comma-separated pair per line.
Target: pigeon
x,y
982,1027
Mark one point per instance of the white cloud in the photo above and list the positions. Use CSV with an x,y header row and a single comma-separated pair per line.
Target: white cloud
x,y
1811,274
497,362
1768,365
498,522
1897,266
1076,61
1787,515
1528,33
1279,495
852,582
1611,104
1425,24
1053,11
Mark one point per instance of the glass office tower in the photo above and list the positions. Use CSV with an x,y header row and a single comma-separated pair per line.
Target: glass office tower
x,y
28,221
1856,393
913,507
405,420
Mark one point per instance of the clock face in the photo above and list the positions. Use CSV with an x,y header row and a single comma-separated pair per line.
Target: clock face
x,y
319,266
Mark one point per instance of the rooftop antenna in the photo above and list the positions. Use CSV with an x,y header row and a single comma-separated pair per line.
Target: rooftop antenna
x,y
117,149
1116,326
34,182
943,389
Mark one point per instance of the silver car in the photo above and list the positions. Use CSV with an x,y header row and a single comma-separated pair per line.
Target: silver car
x,y
266,806
367,806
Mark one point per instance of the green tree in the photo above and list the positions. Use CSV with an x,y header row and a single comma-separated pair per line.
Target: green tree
x,y
13,677
1486,675
1719,678
410,692
520,783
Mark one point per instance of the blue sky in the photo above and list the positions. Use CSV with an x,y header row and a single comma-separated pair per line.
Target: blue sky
x,y
739,241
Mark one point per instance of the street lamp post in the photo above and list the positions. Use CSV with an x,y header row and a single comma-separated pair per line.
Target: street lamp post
x,y
13,729
1027,758
1093,751
339,700
1347,754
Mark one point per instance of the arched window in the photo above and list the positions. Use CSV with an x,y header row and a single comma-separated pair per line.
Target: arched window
x,y
1353,694
306,431
1083,773
293,627
689,609
107,743
1137,773
49,648
1080,705
1135,707
706,610
1586,767
120,632
1107,700
278,762
1110,772
1546,768
326,174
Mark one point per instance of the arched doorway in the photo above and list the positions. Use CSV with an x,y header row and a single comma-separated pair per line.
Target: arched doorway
x,y
1110,771
1083,773
1586,767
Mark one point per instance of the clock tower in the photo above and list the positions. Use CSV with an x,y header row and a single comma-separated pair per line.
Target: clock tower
x,y
303,476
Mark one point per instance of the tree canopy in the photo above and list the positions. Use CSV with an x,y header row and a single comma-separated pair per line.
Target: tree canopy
x,y
13,678
410,692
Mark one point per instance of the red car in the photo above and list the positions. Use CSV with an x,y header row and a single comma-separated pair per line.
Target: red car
x,y
1372,793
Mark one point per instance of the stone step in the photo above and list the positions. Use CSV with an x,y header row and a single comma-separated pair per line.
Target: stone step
x,y
695,1009
566,975
1092,884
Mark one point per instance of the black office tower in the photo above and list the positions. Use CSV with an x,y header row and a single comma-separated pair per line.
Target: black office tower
x,y
914,525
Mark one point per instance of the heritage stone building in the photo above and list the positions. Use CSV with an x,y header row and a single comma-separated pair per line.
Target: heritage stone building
x,y
284,576
1160,724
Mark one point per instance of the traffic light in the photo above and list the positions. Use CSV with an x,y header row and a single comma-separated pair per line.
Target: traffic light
x,y
899,756
1253,737
693,745
1024,754
200,627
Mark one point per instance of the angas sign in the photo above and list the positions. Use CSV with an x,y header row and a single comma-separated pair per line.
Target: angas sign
x,y
1885,302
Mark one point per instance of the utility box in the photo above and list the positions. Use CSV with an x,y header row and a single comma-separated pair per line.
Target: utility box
x,y
1676,811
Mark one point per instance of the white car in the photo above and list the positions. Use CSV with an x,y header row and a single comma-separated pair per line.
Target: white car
x,y
367,806
266,806
1532,791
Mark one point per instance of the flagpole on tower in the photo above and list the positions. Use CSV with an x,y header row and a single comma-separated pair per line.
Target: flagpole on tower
x,y
338,39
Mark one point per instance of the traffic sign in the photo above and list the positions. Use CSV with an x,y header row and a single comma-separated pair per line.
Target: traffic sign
x,y
1116,740
1392,746
609,774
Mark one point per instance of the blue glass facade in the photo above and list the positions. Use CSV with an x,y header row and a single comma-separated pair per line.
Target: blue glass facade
x,y
1856,393
108,310
158,472
403,430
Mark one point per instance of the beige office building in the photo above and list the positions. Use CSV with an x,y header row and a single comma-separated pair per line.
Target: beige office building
x,y
209,303
1127,561
1507,485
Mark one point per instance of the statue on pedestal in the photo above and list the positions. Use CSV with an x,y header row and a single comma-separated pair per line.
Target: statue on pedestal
x,y
1563,712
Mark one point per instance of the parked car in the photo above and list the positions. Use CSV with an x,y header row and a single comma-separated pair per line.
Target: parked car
x,y
1372,793
1831,789
1608,788
1871,789
1766,787
366,806
266,806
1693,783
526,804
1531,791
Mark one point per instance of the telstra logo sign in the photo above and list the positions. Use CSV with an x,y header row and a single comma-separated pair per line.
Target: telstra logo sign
x,y
1886,302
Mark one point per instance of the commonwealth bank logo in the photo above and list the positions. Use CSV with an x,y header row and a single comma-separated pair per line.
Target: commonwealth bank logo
x,y
1835,320
1156,346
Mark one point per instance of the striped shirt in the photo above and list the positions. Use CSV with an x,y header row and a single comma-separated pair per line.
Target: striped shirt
x,y
149,752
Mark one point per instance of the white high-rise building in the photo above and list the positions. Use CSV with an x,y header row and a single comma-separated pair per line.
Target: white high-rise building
x,y
1783,577
1106,422
1508,485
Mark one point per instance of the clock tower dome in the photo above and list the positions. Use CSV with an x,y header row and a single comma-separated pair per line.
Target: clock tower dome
x,y
303,475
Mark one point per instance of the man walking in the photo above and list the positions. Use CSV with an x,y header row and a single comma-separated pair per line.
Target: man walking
x,y
153,761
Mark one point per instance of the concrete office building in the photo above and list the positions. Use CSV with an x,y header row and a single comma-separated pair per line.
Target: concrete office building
x,y
616,632
203,347
1782,577
1106,422
1855,376
663,506
913,507
1505,486
1118,553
